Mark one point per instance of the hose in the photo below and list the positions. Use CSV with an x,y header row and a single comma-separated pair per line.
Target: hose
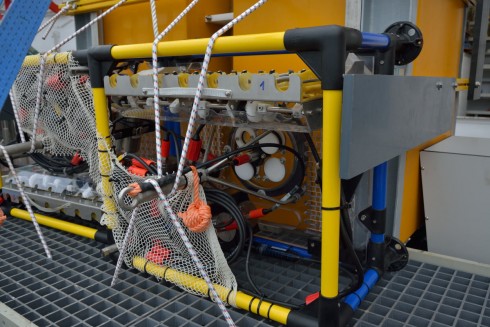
x,y
224,200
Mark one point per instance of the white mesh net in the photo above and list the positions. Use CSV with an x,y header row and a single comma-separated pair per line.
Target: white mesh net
x,y
67,124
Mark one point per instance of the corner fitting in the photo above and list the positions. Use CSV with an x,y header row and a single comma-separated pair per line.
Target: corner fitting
x,y
324,50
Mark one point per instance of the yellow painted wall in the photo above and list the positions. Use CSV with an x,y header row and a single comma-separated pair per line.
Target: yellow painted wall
x,y
132,24
280,15
441,22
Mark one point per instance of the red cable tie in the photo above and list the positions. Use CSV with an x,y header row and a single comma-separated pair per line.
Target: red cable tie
x,y
137,171
165,148
256,213
138,164
312,297
76,160
194,150
241,159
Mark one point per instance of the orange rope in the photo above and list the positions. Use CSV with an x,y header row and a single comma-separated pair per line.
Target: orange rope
x,y
198,216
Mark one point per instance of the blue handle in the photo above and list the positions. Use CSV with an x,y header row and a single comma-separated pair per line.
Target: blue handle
x,y
375,41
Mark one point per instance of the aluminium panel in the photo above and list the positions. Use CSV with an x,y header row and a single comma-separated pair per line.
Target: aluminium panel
x,y
384,116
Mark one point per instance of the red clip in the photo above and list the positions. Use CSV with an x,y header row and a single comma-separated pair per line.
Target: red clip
x,y
312,297
136,163
241,159
194,150
137,171
165,149
256,213
76,160
158,254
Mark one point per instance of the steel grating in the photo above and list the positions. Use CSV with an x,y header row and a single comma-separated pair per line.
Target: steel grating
x,y
73,289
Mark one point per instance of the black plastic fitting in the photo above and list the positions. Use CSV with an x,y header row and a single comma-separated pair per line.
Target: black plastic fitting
x,y
324,50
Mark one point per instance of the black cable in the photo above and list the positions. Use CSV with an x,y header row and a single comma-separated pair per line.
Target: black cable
x,y
197,134
357,263
225,201
55,164
175,139
257,146
257,293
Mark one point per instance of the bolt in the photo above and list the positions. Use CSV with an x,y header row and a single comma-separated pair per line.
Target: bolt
x,y
422,168
381,62
477,84
312,245
363,217
454,85
426,218
439,85
373,259
398,247
228,93
145,92
374,221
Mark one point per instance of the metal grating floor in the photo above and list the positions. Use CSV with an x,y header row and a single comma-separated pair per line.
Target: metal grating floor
x,y
73,289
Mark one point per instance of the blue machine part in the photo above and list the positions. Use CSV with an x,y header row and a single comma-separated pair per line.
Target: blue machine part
x,y
355,298
17,31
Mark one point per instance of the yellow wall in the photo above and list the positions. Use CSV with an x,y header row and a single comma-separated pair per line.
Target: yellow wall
x,y
280,15
441,22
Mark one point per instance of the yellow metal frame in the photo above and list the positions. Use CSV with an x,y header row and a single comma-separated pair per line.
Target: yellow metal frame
x,y
332,108
56,223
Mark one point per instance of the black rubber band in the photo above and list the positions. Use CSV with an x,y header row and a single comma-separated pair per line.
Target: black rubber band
x,y
345,206
102,151
258,306
228,297
269,311
144,267
250,304
165,273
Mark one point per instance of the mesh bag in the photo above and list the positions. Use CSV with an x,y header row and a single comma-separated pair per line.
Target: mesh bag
x,y
66,124
156,239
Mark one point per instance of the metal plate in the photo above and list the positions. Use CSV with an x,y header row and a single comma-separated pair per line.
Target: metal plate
x,y
384,116
17,30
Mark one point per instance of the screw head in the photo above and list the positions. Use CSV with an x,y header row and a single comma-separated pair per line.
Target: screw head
x,y
363,217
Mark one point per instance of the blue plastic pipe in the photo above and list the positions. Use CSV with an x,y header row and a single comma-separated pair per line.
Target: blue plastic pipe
x,y
379,195
375,41
379,187
355,298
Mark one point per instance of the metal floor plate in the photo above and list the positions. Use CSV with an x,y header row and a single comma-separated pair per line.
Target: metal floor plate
x,y
73,289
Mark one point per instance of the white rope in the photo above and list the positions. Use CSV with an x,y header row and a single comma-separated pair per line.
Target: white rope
x,y
122,251
26,202
193,253
154,18
16,114
43,61
200,85
156,97
55,17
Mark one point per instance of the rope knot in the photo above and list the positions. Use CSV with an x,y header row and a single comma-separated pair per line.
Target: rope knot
x,y
198,215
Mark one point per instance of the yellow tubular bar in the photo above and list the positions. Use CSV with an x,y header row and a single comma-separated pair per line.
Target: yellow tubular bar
x,y
241,300
34,60
332,111
104,144
56,223
224,45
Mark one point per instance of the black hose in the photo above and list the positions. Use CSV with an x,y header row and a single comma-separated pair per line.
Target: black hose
x,y
58,165
257,293
224,200
258,146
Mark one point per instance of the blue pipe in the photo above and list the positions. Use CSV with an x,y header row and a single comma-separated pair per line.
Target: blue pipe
x,y
375,41
355,298
379,186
